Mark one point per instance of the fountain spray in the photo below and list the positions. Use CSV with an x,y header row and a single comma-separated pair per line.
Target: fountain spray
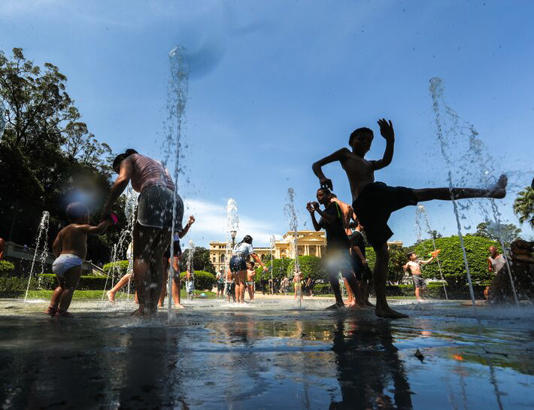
x,y
42,240
293,227
176,102
436,91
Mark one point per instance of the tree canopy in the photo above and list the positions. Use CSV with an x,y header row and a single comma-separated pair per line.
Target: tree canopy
x,y
48,157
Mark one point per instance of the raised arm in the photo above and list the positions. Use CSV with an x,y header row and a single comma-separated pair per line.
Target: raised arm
x,y
310,206
184,231
427,261
119,185
386,130
98,229
317,166
257,259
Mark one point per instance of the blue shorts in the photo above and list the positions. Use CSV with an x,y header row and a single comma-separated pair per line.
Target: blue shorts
x,y
238,263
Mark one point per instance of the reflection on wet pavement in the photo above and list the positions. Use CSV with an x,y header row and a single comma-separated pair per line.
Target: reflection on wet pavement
x,y
267,355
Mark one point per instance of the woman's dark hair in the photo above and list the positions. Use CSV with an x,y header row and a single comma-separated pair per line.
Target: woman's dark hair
x,y
247,239
121,157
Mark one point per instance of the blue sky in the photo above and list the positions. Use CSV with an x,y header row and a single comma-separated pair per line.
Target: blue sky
x,y
276,85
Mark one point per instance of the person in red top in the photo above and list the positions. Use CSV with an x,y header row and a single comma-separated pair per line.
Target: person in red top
x,y
154,220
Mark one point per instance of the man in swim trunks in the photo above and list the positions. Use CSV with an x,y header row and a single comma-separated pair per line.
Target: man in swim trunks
x,y
70,249
414,265
337,258
154,220
374,202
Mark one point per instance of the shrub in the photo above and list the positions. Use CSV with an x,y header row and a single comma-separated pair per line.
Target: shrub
x,y
279,269
120,268
88,282
310,266
452,262
6,267
15,286
322,289
203,280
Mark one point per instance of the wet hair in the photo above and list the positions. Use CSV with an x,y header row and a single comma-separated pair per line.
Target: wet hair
x,y
76,210
326,191
410,254
251,264
121,157
359,132
247,239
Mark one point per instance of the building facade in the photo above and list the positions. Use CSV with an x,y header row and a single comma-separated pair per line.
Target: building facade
x,y
308,243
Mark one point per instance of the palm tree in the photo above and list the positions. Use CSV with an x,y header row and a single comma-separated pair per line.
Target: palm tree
x,y
524,205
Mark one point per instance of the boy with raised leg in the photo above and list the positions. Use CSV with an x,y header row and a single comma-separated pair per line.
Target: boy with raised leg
x,y
374,202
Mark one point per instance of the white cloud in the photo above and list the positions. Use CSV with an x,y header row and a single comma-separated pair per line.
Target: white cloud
x,y
210,224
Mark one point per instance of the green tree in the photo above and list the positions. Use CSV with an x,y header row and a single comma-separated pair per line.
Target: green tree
x,y
451,259
278,268
310,266
397,258
524,205
495,231
201,260
47,155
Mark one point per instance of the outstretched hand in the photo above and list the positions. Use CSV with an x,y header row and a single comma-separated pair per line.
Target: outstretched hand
x,y
386,129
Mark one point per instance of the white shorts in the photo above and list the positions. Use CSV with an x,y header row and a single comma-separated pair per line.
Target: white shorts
x,y
64,262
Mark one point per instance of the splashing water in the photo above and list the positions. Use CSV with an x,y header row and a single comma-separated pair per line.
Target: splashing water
x,y
442,133
420,213
291,213
232,226
176,102
475,166
42,240
190,257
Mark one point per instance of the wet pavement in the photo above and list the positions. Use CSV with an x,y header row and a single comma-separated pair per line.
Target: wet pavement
x,y
266,355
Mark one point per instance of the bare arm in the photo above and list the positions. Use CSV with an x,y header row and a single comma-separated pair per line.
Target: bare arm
x,y
98,229
184,231
490,267
405,267
257,259
311,209
119,185
427,261
358,252
386,129
56,246
317,166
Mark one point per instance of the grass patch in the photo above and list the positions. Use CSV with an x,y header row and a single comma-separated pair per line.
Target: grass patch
x,y
97,294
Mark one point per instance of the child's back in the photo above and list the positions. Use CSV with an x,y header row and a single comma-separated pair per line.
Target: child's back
x,y
73,240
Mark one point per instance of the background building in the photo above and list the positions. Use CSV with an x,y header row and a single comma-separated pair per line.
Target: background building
x,y
308,243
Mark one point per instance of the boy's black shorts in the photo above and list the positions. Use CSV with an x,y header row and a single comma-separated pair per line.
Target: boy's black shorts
x,y
375,204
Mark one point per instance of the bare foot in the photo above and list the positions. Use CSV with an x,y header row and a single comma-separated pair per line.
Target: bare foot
x,y
51,310
111,296
335,306
389,313
179,306
367,303
499,189
138,313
